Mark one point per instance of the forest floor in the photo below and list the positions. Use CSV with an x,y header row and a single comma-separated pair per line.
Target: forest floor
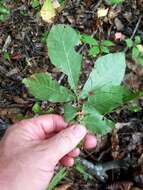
x,y
21,36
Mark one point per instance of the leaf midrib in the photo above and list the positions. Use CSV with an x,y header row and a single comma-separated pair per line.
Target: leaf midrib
x,y
68,64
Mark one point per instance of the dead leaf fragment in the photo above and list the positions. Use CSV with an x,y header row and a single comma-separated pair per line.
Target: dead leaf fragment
x,y
122,185
63,187
48,10
118,24
102,12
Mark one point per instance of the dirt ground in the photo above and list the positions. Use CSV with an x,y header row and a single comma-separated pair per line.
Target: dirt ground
x,y
21,35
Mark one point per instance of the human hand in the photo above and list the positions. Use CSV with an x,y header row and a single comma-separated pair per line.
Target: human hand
x,y
30,150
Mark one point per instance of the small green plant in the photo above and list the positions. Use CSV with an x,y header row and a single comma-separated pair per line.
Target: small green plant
x,y
96,47
57,178
36,109
100,95
134,107
24,12
35,4
4,11
116,1
82,170
62,2
44,37
136,48
6,56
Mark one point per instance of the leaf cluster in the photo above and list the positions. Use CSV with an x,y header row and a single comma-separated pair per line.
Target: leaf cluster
x,y
136,48
100,95
95,47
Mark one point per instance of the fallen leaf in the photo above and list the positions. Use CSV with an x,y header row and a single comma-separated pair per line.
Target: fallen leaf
x,y
48,10
63,187
102,12
119,25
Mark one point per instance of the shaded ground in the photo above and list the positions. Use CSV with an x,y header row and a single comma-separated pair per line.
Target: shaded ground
x,y
21,35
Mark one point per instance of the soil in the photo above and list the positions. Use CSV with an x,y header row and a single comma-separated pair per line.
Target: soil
x,y
21,36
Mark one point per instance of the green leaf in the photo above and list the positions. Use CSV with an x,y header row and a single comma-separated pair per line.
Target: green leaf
x,y
134,107
37,108
128,95
6,56
35,4
107,98
94,51
82,170
129,42
57,179
4,12
137,40
87,39
116,1
43,87
135,52
107,43
109,70
4,9
61,42
62,2
104,49
69,112
140,59
95,122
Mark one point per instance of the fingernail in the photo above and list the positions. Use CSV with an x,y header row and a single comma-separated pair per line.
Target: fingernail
x,y
79,131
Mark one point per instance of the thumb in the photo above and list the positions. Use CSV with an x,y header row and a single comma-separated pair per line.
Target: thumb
x,y
64,142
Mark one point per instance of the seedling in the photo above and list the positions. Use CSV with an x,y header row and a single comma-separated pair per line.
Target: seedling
x,y
136,48
35,4
100,95
95,47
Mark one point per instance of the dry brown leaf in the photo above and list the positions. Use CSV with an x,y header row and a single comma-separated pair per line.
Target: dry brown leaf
x,y
63,187
122,185
119,24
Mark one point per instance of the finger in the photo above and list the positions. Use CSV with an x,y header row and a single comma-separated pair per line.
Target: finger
x,y
64,142
39,127
67,161
90,141
74,153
